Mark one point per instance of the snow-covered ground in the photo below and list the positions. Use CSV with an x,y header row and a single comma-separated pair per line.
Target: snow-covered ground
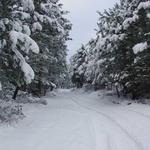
x,y
79,121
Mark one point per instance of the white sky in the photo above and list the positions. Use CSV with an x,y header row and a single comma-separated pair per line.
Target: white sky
x,y
84,18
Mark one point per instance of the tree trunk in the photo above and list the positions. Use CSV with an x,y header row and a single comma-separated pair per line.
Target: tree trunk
x,y
117,91
134,95
15,93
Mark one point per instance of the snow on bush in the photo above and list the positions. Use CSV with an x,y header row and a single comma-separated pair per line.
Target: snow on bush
x,y
144,5
17,26
25,98
140,47
26,30
37,27
10,112
23,15
129,21
39,17
28,5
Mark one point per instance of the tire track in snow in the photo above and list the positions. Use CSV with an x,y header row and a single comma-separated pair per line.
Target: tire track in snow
x,y
133,111
139,113
90,122
130,128
110,119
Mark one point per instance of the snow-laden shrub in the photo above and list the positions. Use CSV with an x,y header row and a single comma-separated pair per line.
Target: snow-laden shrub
x,y
7,92
22,98
25,98
10,112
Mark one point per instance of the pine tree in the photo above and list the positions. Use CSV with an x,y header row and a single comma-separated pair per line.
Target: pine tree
x,y
120,52
78,66
16,43
138,83
51,31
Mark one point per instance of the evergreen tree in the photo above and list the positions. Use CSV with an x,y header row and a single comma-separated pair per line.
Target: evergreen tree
x,y
51,31
120,53
16,43
78,67
137,79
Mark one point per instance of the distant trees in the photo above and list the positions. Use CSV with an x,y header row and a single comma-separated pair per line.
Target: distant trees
x,y
78,62
33,37
119,55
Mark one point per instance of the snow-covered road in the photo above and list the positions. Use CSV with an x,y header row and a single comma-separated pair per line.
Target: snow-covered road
x,y
80,121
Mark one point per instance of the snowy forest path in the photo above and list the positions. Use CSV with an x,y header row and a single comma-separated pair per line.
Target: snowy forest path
x,y
114,126
75,120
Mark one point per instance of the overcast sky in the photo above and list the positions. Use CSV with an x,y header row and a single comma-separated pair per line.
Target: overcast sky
x,y
84,18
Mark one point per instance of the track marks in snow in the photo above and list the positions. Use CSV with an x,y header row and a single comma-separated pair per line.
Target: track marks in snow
x,y
75,121
139,113
131,142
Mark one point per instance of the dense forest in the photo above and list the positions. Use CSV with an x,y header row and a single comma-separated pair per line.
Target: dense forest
x,y
119,56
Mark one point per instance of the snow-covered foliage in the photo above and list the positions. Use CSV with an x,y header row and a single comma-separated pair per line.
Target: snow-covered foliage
x,y
28,43
140,47
26,98
16,42
10,112
32,42
36,27
119,55
144,5
33,48
28,5
129,21
50,31
27,70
